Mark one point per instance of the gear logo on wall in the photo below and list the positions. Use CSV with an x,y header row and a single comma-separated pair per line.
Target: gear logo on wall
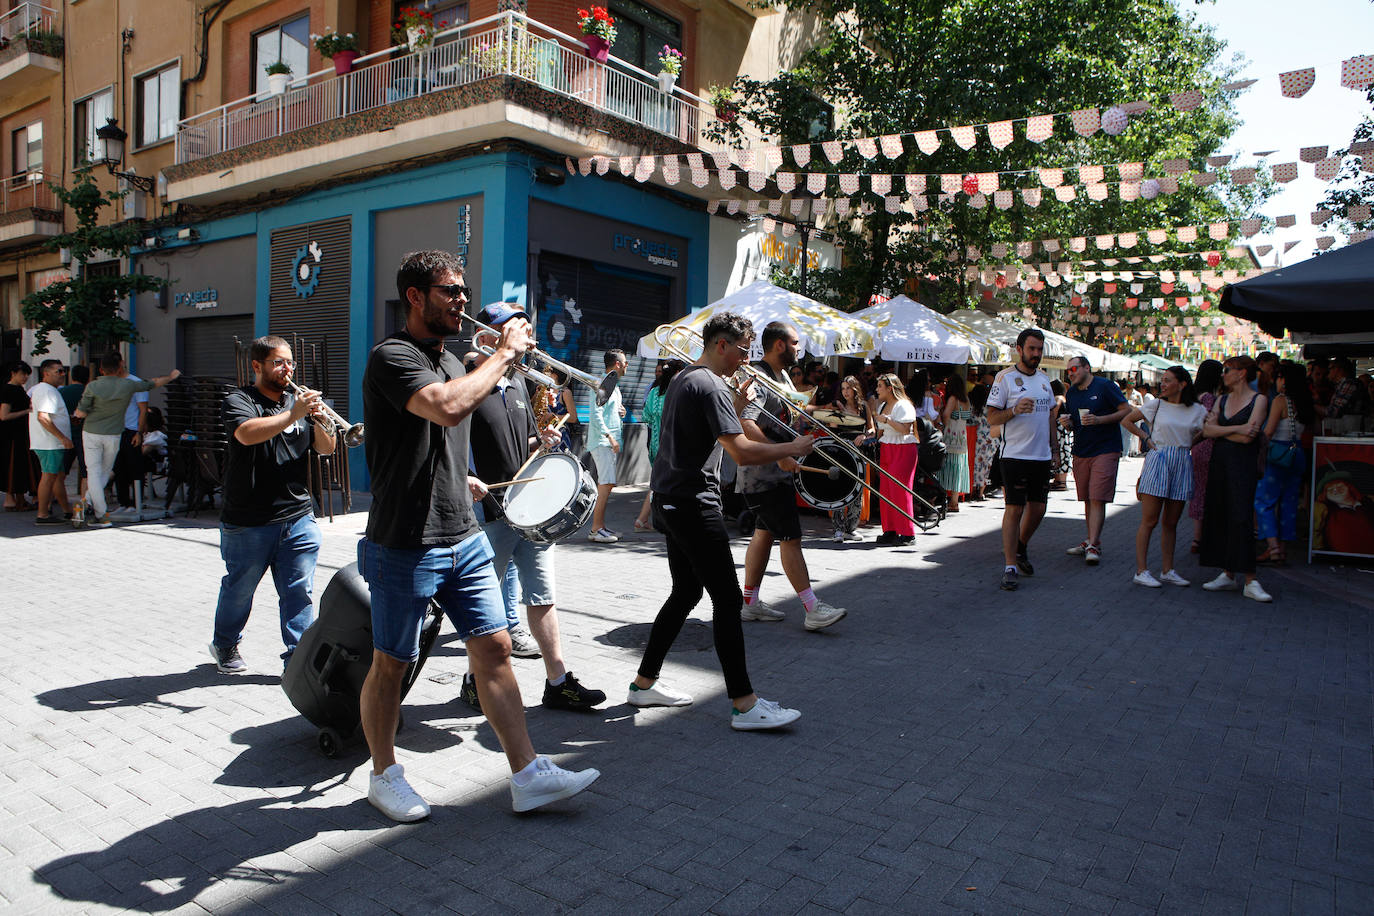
x,y
558,329
305,270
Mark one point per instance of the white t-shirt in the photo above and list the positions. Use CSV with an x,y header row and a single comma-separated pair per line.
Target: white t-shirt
x,y
47,399
1026,436
902,412
927,409
1173,424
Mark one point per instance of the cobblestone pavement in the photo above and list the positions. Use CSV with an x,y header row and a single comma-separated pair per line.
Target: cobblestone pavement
x,y
1082,745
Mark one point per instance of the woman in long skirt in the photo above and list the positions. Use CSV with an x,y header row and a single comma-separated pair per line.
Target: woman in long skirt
x,y
900,447
954,417
1206,385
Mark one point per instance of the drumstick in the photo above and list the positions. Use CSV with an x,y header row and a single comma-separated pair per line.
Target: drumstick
x,y
832,472
511,483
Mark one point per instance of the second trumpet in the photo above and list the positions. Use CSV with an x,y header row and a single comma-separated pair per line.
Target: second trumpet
x,y
352,432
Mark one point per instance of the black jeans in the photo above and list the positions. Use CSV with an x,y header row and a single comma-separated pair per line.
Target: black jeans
x,y
699,559
128,467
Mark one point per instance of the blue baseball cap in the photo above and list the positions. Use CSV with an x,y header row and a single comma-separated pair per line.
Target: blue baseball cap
x,y
498,313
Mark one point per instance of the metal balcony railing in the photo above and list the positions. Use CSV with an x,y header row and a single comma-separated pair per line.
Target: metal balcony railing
x,y
509,44
25,192
25,18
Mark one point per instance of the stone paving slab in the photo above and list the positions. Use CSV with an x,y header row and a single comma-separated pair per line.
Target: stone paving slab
x,y
1080,746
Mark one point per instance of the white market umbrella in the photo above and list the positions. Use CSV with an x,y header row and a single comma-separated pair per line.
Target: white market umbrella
x,y
823,331
913,333
1006,332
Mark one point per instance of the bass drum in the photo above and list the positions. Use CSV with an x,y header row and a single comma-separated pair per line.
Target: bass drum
x,y
821,492
554,506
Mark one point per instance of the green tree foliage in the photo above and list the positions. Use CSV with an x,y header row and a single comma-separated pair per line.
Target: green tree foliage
x,y
894,66
1353,185
89,308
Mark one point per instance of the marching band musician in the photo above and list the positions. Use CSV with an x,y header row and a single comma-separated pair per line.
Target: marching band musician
x,y
504,433
770,492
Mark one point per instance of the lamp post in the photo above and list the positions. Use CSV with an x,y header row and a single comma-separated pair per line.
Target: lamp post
x,y
111,138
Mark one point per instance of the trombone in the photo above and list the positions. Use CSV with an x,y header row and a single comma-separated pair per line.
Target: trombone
x,y
550,364
353,433
663,336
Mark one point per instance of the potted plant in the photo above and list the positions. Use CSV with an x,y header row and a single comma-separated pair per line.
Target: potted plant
x,y
278,75
669,68
727,107
342,48
598,30
414,27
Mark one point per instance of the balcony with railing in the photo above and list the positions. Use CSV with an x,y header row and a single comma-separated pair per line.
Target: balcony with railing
x,y
30,46
504,76
29,210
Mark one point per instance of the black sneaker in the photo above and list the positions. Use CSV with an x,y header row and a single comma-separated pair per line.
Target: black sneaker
x,y
48,520
571,695
887,537
1010,581
1023,562
903,540
228,661
468,692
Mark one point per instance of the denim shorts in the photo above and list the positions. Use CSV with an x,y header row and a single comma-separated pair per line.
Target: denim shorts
x,y
533,562
402,582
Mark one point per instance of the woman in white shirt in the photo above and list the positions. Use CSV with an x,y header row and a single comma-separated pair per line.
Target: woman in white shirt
x,y
899,449
1166,482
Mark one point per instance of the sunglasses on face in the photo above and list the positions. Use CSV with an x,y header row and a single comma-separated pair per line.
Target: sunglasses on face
x,y
453,291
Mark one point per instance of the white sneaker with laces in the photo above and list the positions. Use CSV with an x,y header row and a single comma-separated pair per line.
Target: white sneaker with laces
x,y
1256,592
1173,578
853,536
764,714
1146,579
549,783
1222,583
837,537
1078,549
823,615
657,694
392,795
603,536
762,611
522,642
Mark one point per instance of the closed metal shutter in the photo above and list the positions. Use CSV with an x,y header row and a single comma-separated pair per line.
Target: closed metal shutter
x,y
312,312
207,345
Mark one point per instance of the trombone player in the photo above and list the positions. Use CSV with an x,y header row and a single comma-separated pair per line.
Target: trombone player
x,y
268,521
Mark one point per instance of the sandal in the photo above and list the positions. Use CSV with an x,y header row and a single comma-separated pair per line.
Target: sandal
x,y
1272,555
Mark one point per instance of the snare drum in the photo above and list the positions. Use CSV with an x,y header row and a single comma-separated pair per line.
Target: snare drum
x,y
556,505
819,491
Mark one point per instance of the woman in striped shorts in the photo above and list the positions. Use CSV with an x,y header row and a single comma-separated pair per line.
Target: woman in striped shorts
x,y
1166,482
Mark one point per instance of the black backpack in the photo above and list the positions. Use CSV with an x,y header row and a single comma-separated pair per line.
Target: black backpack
x,y
932,454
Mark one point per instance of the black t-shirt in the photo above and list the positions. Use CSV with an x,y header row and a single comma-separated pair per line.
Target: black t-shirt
x,y
697,409
501,429
419,469
264,484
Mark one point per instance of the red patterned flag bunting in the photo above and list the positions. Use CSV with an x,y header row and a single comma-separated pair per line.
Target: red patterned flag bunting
x,y
1097,191
1000,134
1320,216
1157,236
801,154
891,145
867,147
927,141
1243,176
978,201
849,183
965,137
1039,128
1065,193
1217,162
1327,169
1086,121
626,164
757,180
1090,174
880,184
726,177
988,181
1287,221
1285,171
1187,100
1175,166
1130,171
1051,178
1127,239
1249,227
786,181
815,182
1002,199
1295,83
833,150
670,169
1031,196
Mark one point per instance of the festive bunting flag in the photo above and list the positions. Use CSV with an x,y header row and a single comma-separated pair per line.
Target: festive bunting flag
x,y
1168,184
1114,120
1263,250
1320,216
1078,243
815,182
1295,83
1129,190
987,181
915,184
1002,199
726,179
1362,148
1187,233
1175,166
671,172
919,203
951,184
1243,176
1090,174
1103,242
1324,242
1127,239
752,207
769,225
973,253
849,183
880,184
867,147
1358,72
774,207
833,150
757,180
1285,171
1051,178
626,164
1157,236
1085,121
892,204
1359,235
1097,191
772,159
1050,245
1327,169
1249,227
795,206
787,230
1130,171
700,177
732,207
1000,134
568,164
1031,197
1289,246
999,249
842,207
786,181
964,137
1203,179
1287,221
1312,153
1039,128
978,201
1186,101
644,168
1357,212
891,145
584,166
1238,85
1217,162
801,154
745,159
722,160
928,141
711,206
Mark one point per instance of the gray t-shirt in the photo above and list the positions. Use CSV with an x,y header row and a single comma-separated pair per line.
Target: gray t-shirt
x,y
760,477
697,409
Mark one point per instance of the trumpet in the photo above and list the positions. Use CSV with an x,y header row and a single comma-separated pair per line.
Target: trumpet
x,y
333,423
548,363
663,336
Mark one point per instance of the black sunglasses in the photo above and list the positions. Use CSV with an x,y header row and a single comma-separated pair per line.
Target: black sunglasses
x,y
452,290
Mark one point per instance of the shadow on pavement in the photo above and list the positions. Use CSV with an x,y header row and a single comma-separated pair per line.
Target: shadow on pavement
x,y
143,690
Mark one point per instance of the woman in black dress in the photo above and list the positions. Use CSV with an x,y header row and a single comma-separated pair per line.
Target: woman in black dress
x,y
1233,424
15,458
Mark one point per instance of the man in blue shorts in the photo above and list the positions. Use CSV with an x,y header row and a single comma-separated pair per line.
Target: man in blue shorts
x,y
423,541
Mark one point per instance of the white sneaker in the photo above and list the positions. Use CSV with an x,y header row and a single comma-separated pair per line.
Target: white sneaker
x,y
1078,550
1222,583
102,521
823,615
658,694
764,714
1146,579
1256,592
549,783
762,611
1173,578
603,536
837,537
392,795
853,536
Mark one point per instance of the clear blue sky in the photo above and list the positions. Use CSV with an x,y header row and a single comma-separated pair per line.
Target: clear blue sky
x,y
1279,35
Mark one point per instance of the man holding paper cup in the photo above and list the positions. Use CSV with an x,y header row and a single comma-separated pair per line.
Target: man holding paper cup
x,y
1096,408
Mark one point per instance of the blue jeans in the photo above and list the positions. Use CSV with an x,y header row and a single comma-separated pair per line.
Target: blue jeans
x,y
289,549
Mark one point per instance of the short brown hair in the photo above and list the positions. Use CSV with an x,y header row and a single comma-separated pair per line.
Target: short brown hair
x,y
262,347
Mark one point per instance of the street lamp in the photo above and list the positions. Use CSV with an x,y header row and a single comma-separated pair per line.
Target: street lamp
x,y
111,138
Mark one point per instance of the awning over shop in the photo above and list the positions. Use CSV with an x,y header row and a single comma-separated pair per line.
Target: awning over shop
x,y
1155,361
1332,293
913,333
823,331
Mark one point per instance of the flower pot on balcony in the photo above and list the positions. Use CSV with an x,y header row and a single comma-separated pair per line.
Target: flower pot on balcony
x,y
598,48
419,39
343,61
666,81
277,82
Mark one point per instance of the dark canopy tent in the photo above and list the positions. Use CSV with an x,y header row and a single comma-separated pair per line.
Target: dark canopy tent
x,y
1329,294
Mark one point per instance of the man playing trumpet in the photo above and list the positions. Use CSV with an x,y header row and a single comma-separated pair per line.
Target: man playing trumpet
x,y
268,520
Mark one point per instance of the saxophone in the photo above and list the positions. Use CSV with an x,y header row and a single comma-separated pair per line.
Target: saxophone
x,y
543,417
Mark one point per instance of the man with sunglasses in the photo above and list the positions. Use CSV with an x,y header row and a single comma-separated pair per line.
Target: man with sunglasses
x,y
268,520
1094,409
423,542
